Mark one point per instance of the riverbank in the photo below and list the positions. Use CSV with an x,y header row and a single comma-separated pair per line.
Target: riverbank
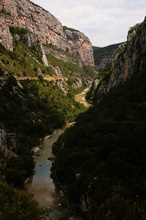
x,y
81,98
41,184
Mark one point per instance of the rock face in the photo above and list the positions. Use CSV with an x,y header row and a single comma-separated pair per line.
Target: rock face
x,y
127,60
103,55
42,27
5,36
81,45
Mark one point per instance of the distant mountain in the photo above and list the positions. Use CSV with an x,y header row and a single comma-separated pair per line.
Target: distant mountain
x,y
126,61
102,55
95,47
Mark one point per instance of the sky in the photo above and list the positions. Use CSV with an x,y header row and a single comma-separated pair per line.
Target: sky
x,y
105,22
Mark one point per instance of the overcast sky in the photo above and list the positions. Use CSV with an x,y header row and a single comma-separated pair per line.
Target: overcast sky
x,y
105,22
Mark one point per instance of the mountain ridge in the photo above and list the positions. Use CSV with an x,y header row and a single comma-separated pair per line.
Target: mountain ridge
x,y
42,67
103,55
43,27
125,61
100,162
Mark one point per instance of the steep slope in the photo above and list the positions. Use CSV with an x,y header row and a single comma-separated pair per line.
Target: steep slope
x,y
100,161
127,60
35,100
42,27
42,67
103,55
16,204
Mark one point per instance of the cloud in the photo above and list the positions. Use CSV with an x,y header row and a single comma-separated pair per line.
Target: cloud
x,y
103,21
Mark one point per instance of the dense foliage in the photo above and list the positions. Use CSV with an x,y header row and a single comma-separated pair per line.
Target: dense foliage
x,y
15,204
32,105
101,160
31,110
103,52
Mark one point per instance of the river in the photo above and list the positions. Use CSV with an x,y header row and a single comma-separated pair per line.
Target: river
x,y
81,98
40,184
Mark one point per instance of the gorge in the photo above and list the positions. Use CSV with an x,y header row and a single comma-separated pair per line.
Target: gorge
x,y
104,152
41,184
43,65
99,163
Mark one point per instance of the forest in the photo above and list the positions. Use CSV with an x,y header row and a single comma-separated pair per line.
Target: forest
x,y
32,106
101,161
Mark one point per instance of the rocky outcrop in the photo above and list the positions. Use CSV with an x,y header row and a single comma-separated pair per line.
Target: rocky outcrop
x,y
81,45
43,27
6,38
103,55
44,58
127,60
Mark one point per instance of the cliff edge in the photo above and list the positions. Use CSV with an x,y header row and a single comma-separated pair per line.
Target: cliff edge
x,y
42,28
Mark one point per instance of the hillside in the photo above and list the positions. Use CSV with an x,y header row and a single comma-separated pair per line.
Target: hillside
x,y
42,66
127,60
103,55
100,161
43,28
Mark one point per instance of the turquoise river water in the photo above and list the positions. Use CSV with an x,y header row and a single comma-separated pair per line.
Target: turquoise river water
x,y
40,184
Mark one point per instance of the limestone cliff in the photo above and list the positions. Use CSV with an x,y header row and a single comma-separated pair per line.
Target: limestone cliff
x,y
128,59
42,27
103,55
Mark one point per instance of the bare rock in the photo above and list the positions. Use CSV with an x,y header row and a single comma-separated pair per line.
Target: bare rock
x,y
42,26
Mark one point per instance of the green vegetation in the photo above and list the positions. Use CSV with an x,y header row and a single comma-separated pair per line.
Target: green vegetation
x,y
32,106
136,28
17,205
4,12
70,29
23,61
18,30
67,68
32,109
120,51
61,51
72,70
101,160
102,52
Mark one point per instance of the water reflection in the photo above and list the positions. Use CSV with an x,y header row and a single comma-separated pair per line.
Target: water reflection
x,y
40,184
